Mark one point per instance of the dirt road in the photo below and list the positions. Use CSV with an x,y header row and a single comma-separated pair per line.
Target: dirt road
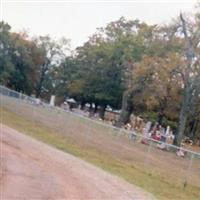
x,y
33,170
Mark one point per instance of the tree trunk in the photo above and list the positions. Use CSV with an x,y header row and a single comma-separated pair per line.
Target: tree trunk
x,y
95,108
90,110
102,112
161,116
187,92
38,91
42,77
39,87
194,129
82,105
126,109
181,126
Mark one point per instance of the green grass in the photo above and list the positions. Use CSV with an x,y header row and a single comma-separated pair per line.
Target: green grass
x,y
161,187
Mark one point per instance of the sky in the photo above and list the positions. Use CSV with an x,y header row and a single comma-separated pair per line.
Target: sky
x,y
77,20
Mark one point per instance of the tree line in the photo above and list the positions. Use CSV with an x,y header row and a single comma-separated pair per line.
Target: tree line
x,y
149,70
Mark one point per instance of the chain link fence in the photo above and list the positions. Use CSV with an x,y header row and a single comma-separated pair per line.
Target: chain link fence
x,y
107,139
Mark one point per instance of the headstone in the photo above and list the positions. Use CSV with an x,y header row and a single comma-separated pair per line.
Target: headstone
x,y
52,101
37,101
167,131
148,126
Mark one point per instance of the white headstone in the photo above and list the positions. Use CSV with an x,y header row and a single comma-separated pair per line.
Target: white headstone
x,y
37,101
147,129
167,131
52,101
148,126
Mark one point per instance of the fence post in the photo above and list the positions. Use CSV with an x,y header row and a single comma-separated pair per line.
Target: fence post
x,y
146,161
61,121
188,171
33,110
87,134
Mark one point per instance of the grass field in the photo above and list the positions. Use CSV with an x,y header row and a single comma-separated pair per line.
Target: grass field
x,y
104,151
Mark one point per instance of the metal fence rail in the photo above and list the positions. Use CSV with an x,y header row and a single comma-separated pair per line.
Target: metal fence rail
x,y
118,143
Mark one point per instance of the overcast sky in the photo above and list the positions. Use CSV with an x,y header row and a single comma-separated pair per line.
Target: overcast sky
x,y
77,20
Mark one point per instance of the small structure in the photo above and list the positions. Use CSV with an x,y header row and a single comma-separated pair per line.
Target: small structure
x,y
71,102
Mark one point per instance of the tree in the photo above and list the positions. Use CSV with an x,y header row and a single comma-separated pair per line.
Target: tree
x,y
53,53
18,60
135,44
191,72
6,65
98,79
156,84
23,53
